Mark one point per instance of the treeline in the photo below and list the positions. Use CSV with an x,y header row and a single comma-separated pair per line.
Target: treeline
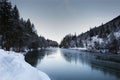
x,y
16,33
47,43
103,38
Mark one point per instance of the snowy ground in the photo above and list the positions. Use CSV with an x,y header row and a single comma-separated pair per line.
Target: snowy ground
x,y
14,67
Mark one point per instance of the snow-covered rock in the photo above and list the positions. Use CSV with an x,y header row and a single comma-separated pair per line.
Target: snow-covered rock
x,y
14,67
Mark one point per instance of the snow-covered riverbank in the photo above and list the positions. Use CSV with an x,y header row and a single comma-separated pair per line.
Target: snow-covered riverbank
x,y
14,67
79,48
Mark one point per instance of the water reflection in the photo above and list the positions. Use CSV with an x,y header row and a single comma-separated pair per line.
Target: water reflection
x,y
90,59
107,71
74,64
74,56
35,56
32,56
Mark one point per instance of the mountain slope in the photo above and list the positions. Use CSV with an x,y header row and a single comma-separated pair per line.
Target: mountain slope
x,y
105,37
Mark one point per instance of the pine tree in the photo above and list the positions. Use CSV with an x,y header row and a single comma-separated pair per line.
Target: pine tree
x,y
15,13
28,26
113,46
5,23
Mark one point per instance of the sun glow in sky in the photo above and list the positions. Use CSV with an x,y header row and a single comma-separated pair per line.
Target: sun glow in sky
x,y
54,19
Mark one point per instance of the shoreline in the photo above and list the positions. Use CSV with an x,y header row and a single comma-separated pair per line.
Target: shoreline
x,y
14,67
111,61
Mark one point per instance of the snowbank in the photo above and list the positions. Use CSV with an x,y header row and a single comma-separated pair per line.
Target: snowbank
x,y
14,67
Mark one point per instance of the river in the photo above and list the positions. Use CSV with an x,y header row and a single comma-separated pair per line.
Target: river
x,y
66,64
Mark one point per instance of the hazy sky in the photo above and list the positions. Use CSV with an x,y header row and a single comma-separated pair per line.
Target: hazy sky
x,y
54,19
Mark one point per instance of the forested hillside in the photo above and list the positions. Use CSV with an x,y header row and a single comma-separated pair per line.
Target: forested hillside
x,y
16,33
104,38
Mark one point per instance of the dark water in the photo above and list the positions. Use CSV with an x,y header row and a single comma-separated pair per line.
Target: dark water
x,y
64,64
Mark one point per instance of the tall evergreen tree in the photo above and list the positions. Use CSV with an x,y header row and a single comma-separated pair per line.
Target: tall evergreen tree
x,y
5,22
15,13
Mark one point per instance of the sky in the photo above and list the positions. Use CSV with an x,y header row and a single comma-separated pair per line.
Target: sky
x,y
54,19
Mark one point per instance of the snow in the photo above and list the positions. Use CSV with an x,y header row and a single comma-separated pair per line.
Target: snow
x,y
117,34
96,39
79,48
14,67
91,43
